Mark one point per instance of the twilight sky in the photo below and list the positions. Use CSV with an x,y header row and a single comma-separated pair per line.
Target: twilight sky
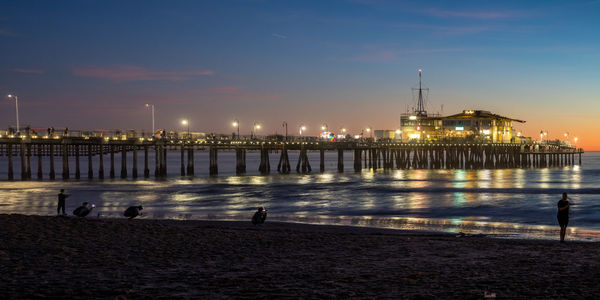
x,y
351,64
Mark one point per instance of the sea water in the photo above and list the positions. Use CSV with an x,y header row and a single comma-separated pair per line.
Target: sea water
x,y
502,202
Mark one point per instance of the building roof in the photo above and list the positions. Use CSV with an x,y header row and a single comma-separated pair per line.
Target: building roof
x,y
480,114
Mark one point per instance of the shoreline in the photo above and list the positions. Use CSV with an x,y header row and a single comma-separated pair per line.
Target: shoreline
x,y
44,256
501,230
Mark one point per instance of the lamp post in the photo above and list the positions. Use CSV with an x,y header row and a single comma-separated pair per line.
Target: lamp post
x,y
285,125
151,106
236,123
302,129
255,127
16,108
370,131
575,139
324,127
186,123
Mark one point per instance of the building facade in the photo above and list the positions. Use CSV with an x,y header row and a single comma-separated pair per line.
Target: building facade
x,y
470,125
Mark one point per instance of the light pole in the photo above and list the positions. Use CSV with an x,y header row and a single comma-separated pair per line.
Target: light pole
x,y
151,106
285,125
370,131
575,139
186,123
302,129
236,123
324,127
16,108
255,127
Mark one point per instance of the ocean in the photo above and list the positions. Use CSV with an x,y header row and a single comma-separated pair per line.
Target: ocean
x,y
519,203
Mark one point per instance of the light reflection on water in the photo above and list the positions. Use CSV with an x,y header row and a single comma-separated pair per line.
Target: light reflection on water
x,y
512,202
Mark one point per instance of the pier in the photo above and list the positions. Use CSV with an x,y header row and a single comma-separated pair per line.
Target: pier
x,y
366,155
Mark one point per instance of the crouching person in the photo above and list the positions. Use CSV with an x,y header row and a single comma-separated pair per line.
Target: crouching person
x,y
133,211
83,210
259,216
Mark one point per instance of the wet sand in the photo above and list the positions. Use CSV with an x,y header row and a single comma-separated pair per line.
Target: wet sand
x,y
63,257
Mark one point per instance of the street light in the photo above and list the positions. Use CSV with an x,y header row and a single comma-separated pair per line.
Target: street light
x,y
151,106
255,127
16,108
541,136
575,141
302,129
369,130
236,123
186,123
324,127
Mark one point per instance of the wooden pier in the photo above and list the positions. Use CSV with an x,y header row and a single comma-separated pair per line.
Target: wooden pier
x,y
367,155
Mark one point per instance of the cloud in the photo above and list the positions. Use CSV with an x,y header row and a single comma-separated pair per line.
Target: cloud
x,y
29,71
5,32
235,93
381,54
469,14
279,36
123,73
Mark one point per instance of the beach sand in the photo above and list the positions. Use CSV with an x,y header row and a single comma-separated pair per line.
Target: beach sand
x,y
64,257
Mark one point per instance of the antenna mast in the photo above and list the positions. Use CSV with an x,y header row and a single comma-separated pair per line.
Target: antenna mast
x,y
421,112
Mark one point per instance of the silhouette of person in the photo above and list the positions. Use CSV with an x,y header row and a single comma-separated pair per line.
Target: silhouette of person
x,y
83,210
133,211
563,216
259,216
61,202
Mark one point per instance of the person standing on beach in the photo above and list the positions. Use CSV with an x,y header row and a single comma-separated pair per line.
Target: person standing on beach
x,y
563,216
61,202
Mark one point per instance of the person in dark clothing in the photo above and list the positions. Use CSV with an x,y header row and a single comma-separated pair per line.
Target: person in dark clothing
x,y
83,210
133,211
563,216
259,216
61,202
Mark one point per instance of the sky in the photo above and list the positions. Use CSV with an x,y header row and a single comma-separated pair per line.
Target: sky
x,y
348,64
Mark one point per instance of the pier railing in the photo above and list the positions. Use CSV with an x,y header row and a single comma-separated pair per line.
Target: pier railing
x,y
366,154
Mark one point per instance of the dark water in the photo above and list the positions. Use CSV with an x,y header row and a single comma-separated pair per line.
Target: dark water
x,y
505,202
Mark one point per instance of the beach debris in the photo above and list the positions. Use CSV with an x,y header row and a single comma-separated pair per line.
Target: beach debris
x,y
133,211
259,216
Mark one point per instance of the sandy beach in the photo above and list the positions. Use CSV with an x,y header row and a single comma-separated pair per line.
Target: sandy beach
x,y
64,257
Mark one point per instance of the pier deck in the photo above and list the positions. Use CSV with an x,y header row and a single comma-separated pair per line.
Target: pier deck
x,y
366,154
